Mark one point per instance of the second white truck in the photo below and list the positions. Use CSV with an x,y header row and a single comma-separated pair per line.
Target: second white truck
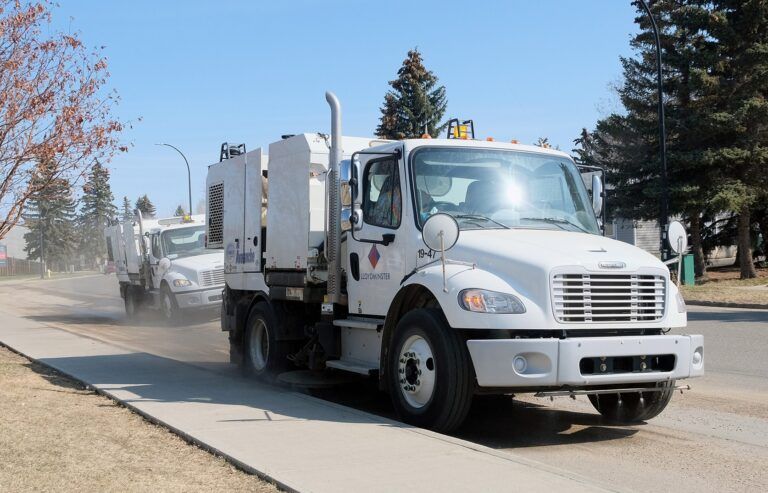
x,y
163,264
444,268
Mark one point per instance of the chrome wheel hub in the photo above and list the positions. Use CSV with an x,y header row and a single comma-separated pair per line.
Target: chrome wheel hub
x,y
416,371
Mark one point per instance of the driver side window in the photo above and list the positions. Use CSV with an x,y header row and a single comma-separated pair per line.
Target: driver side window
x,y
382,200
156,252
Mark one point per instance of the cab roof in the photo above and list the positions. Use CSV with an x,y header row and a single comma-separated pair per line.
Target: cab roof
x,y
413,144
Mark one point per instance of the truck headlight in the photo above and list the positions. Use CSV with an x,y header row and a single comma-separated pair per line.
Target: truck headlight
x,y
182,283
484,301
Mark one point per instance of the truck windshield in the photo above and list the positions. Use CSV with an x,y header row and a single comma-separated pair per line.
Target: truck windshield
x,y
488,188
184,242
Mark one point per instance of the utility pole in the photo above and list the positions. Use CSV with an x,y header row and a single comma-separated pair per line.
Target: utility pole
x,y
664,209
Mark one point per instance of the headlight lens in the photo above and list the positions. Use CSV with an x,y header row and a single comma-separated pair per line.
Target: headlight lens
x,y
681,308
182,283
483,301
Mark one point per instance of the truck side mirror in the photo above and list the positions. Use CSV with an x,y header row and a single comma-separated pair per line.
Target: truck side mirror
x,y
440,232
164,265
355,172
677,237
597,195
345,178
355,207
356,218
348,192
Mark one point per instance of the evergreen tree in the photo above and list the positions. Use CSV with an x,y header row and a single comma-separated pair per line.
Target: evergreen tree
x,y
127,213
415,103
739,116
584,152
179,211
627,144
96,210
146,206
51,214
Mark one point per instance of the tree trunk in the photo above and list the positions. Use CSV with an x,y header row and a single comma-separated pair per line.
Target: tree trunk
x,y
745,245
699,263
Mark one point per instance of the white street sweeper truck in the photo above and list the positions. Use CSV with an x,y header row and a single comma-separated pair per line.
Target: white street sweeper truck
x,y
163,264
444,268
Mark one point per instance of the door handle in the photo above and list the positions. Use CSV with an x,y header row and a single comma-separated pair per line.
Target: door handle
x,y
354,266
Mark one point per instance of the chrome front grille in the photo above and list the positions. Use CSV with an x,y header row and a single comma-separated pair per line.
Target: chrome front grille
x,y
580,298
213,277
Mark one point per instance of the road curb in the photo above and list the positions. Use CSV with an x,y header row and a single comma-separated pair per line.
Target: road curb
x,y
751,306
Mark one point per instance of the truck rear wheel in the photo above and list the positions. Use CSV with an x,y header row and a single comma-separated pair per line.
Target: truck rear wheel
x,y
132,303
633,407
431,380
263,355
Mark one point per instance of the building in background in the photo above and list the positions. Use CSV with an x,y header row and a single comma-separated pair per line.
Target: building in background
x,y
15,262
14,242
645,235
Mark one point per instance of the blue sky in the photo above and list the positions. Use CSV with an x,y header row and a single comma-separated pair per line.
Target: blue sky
x,y
200,73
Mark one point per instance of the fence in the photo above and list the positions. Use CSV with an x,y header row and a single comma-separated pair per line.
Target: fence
x,y
19,267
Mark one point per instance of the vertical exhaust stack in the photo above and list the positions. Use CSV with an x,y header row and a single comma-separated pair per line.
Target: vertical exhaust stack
x,y
333,245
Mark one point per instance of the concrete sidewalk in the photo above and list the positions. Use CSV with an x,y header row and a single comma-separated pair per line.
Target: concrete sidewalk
x,y
299,442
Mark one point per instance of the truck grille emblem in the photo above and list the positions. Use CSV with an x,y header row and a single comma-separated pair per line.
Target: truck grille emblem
x,y
612,265
373,256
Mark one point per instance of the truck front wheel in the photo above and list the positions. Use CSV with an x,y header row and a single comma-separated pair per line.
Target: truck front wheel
x,y
263,355
169,306
633,407
431,380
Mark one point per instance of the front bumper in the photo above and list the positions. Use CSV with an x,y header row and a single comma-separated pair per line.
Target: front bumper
x,y
204,298
556,362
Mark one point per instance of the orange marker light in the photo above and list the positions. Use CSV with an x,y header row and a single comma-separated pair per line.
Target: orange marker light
x,y
489,139
474,302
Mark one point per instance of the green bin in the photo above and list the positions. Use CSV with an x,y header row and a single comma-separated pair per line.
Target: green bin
x,y
688,275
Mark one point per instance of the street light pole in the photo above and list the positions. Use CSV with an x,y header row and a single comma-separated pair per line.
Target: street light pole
x,y
664,212
189,173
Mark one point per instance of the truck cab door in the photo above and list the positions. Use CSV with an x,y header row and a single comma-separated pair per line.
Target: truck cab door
x,y
155,254
375,249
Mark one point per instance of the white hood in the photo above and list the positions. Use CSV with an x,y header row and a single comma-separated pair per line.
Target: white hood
x,y
522,262
191,267
547,249
526,258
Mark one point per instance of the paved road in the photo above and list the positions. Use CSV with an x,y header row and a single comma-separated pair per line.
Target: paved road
x,y
712,438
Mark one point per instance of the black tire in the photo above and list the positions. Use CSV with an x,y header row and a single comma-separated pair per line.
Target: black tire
x,y
634,407
132,303
223,317
263,355
169,307
449,375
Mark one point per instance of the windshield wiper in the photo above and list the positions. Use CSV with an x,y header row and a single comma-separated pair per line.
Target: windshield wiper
x,y
559,221
480,217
